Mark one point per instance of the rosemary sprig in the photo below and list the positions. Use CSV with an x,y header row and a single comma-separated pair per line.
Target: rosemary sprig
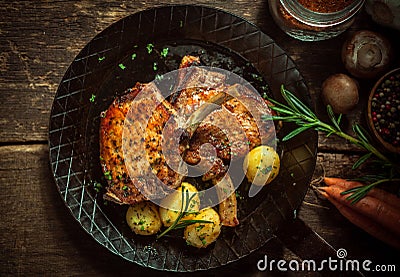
x,y
178,223
297,112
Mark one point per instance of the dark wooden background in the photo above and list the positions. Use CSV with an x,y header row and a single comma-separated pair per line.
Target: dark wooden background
x,y
38,236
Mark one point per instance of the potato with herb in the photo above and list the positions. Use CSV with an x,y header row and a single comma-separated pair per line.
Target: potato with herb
x,y
261,165
143,218
201,235
174,204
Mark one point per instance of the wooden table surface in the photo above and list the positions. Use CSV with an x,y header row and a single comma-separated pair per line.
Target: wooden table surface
x,y
38,236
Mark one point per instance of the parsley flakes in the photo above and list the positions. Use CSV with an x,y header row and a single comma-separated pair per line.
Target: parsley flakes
x,y
164,52
149,48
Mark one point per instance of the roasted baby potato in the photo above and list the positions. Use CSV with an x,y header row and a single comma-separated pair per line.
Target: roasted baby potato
x,y
174,204
143,218
201,235
261,165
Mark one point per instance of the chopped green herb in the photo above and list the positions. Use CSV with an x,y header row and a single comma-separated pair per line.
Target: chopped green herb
x,y
159,77
122,66
265,170
203,241
100,59
149,48
124,187
238,196
198,228
92,98
97,186
133,56
164,52
107,174
256,77
155,66
181,23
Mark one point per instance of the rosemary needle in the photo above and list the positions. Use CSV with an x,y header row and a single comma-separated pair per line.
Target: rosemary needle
x,y
178,223
297,112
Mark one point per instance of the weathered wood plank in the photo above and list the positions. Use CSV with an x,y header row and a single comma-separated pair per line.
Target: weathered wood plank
x,y
40,40
40,237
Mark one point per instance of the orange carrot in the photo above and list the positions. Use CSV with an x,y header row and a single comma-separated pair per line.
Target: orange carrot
x,y
386,197
370,207
365,223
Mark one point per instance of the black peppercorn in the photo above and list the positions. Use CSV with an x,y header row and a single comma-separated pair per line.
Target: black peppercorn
x,y
385,109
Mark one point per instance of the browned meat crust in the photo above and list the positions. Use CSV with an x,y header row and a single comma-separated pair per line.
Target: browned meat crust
x,y
125,188
231,141
120,187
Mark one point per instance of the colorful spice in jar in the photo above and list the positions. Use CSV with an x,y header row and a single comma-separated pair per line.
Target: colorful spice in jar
x,y
323,6
312,20
385,110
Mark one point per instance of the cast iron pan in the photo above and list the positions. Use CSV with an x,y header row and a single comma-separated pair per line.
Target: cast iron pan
x,y
115,60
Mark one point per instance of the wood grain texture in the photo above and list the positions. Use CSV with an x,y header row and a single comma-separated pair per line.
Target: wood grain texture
x,y
38,236
38,41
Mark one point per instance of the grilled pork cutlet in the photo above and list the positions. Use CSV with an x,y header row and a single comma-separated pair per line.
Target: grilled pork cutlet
x,y
130,177
125,124
133,132
232,130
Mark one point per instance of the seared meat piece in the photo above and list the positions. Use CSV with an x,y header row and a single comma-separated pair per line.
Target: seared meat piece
x,y
133,134
233,130
143,136
135,122
227,209
120,188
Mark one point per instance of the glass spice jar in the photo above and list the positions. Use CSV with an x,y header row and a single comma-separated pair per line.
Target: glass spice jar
x,y
313,20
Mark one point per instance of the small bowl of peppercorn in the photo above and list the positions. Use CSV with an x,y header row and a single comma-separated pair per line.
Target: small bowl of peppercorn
x,y
384,111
